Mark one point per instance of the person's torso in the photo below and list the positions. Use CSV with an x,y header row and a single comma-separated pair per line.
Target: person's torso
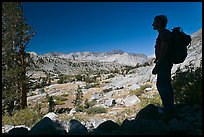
x,y
166,36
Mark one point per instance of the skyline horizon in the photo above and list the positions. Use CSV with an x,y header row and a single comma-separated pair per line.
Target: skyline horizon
x,y
70,27
150,55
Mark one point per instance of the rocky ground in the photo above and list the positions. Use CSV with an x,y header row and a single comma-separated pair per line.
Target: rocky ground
x,y
125,117
125,114
185,120
118,99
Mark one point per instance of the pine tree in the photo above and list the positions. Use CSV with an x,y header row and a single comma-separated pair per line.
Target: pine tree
x,y
79,96
15,38
51,103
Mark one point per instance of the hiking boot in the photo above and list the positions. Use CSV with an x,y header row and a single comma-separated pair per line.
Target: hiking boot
x,y
162,110
166,115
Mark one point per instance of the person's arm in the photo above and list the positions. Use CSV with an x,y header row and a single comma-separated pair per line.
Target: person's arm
x,y
161,57
163,53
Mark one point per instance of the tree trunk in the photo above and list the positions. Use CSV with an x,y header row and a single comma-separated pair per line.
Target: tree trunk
x,y
24,84
24,97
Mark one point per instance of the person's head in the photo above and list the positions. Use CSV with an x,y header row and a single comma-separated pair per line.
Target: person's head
x,y
160,21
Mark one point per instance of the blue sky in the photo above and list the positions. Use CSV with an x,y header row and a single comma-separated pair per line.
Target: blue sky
x,y
104,26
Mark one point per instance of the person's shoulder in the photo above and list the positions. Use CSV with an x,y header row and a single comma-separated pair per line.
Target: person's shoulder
x,y
165,34
168,31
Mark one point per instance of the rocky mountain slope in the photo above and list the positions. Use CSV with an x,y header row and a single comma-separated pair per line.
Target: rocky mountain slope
x,y
117,85
116,56
56,65
83,62
112,90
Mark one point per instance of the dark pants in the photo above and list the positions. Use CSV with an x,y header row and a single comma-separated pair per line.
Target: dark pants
x,y
164,86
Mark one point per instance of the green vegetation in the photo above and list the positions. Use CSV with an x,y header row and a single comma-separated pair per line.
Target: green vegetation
x,y
120,117
40,82
90,109
51,103
27,117
65,95
187,85
156,100
96,110
143,87
70,78
79,77
78,97
66,78
16,34
89,104
140,90
128,69
59,100
92,85
107,90
137,92
89,79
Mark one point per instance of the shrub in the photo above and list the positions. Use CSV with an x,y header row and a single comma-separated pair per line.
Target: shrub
x,y
60,81
51,103
88,79
65,78
59,100
96,110
187,85
80,109
107,90
79,77
78,97
125,114
25,117
89,104
156,101
140,90
143,87
137,92
111,76
38,107
65,95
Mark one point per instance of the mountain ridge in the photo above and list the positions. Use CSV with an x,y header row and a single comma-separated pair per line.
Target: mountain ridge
x,y
117,56
108,61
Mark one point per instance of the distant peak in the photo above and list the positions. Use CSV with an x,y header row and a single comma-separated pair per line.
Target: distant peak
x,y
54,53
116,52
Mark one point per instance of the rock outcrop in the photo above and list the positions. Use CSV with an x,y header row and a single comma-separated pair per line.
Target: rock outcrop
x,y
185,120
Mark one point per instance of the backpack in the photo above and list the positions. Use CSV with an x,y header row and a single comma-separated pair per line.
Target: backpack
x,y
179,46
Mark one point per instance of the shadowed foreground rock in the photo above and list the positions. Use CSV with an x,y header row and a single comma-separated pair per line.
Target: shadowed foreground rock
x,y
76,128
46,127
144,127
185,120
19,131
106,128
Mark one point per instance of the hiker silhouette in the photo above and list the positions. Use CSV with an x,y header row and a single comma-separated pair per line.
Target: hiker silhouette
x,y
163,63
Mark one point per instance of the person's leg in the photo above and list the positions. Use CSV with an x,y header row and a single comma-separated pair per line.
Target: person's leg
x,y
164,86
